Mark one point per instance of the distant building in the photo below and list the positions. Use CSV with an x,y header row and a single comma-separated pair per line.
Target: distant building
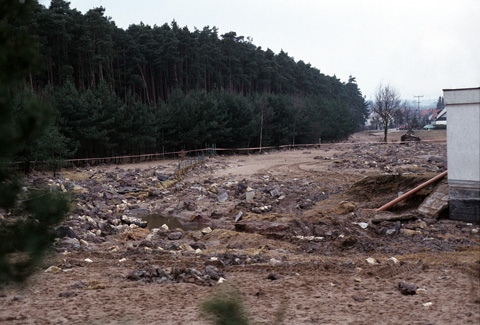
x,y
429,115
441,120
374,123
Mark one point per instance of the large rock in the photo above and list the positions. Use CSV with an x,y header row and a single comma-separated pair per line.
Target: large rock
x,y
138,213
436,202
65,231
249,195
132,220
67,244
213,272
407,288
197,235
175,235
77,189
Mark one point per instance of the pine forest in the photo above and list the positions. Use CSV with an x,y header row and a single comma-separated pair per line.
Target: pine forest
x,y
149,89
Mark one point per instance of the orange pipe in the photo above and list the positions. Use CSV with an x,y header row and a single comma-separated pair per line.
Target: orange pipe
x,y
416,189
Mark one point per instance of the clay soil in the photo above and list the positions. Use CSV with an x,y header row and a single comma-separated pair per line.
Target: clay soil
x,y
297,255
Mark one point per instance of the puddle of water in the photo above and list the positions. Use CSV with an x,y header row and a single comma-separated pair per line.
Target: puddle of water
x,y
157,221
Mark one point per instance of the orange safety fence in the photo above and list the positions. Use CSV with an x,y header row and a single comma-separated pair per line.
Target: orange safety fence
x,y
163,154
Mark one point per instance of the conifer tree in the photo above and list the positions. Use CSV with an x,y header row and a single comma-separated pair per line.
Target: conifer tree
x,y
27,216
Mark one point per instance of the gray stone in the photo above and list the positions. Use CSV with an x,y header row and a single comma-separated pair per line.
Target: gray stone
x,y
406,288
175,235
275,192
64,231
138,213
249,196
68,244
197,235
77,189
274,276
128,189
391,231
213,272
161,177
222,197
132,220
436,202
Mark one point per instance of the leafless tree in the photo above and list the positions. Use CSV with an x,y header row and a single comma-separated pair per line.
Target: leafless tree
x,y
386,106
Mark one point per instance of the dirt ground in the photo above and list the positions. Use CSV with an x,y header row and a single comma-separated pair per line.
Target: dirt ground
x,y
308,246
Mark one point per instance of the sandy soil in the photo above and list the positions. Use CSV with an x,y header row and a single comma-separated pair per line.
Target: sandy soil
x,y
303,260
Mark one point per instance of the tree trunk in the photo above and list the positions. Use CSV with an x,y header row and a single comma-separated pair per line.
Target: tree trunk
x,y
261,130
145,84
100,71
385,132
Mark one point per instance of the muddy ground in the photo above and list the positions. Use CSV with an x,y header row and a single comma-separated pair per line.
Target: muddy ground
x,y
293,232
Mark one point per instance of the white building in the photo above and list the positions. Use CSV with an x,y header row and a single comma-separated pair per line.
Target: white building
x,y
463,152
441,120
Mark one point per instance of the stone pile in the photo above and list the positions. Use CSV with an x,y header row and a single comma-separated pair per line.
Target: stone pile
x,y
210,276
408,158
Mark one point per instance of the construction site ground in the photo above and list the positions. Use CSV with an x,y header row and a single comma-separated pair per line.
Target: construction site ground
x,y
293,235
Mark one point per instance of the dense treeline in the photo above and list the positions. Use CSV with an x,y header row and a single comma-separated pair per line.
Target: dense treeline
x,y
27,230
147,89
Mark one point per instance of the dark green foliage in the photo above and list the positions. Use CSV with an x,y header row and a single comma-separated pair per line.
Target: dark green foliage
x,y
42,141
440,103
25,240
225,307
9,188
357,105
25,122
147,89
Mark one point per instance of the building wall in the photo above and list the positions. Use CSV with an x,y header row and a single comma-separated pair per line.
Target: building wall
x,y
463,152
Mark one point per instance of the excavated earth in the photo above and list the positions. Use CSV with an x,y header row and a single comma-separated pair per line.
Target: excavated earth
x,y
293,234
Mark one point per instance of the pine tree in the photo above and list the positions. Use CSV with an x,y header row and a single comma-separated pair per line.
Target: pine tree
x,y
27,215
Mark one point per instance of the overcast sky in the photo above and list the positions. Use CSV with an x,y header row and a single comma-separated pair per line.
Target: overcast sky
x,y
417,46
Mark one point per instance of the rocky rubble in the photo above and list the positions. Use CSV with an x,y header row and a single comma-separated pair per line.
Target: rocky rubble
x,y
153,273
111,206
409,158
298,232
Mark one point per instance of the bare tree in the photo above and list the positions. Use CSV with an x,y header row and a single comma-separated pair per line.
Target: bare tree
x,y
386,106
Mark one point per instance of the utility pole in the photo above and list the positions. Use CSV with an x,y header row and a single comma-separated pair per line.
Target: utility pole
x,y
418,101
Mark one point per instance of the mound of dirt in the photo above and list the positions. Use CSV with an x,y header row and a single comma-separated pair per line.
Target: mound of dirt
x,y
374,191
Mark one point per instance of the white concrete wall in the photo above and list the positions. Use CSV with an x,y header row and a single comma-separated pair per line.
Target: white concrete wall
x,y
463,134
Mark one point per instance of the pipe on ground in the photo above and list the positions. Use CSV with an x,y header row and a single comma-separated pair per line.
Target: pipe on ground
x,y
416,189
